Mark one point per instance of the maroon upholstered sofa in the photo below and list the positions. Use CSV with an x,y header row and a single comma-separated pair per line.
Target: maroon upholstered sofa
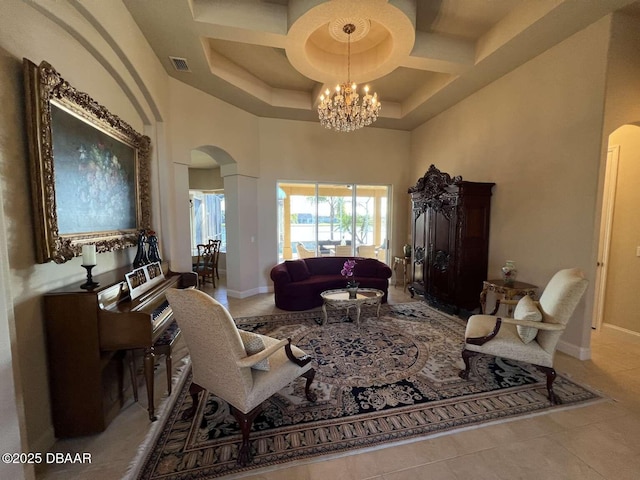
x,y
299,283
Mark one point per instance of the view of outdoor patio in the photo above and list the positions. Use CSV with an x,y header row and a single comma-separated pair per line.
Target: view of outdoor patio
x,y
316,219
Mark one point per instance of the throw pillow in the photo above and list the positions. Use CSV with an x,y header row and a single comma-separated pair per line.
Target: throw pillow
x,y
365,267
297,270
526,309
253,344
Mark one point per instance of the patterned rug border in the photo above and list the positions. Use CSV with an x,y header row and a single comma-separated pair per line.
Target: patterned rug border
x,y
406,441
387,440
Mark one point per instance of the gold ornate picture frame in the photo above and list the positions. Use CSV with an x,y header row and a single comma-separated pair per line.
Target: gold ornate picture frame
x,y
89,170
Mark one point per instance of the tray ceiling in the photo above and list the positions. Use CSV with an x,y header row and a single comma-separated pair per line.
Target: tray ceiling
x,y
274,58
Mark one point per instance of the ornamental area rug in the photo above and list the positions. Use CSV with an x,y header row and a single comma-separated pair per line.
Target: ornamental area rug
x,y
393,379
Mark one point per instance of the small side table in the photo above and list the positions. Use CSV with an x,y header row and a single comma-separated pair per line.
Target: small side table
x,y
339,298
401,261
506,291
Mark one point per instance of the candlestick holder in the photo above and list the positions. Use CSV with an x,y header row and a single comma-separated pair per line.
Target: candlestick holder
x,y
89,284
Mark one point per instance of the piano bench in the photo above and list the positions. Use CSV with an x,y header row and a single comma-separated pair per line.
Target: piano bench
x,y
162,346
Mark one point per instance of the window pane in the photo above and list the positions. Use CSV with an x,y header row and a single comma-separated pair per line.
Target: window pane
x,y
207,218
334,217
314,219
303,220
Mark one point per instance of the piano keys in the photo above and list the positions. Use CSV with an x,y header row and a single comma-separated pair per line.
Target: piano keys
x,y
88,334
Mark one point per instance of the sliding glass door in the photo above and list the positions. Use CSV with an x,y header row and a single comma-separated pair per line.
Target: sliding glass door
x,y
321,219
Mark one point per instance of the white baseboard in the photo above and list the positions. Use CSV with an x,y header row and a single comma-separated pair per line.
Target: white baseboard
x,y
249,293
621,333
243,294
581,353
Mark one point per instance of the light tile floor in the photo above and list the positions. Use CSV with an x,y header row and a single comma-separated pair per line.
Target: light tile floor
x,y
599,441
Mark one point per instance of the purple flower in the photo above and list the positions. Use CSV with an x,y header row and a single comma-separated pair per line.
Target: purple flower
x,y
347,268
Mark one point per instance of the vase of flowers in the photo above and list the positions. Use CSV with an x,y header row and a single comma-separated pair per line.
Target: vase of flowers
x,y
347,273
509,272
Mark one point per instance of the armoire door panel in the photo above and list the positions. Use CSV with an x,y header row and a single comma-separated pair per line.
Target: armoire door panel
x,y
418,250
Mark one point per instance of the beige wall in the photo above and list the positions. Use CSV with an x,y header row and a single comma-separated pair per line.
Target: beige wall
x,y
205,179
536,133
623,74
291,151
622,301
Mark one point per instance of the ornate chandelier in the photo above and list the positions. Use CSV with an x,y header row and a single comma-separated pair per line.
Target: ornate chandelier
x,y
342,112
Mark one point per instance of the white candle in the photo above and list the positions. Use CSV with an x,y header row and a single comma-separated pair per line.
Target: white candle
x,y
88,255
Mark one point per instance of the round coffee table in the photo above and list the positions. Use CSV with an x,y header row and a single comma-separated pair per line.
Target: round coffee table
x,y
339,298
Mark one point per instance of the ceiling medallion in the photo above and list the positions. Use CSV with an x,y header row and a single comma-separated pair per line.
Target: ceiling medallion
x,y
343,112
337,32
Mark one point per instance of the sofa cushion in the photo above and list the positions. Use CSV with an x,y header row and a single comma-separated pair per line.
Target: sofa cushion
x,y
365,267
325,265
297,270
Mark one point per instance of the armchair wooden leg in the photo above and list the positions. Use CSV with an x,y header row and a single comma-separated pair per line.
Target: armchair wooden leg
x,y
551,376
466,356
245,420
194,391
309,375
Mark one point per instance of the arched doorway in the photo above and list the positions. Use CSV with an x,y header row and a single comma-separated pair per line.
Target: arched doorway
x,y
205,171
616,300
207,204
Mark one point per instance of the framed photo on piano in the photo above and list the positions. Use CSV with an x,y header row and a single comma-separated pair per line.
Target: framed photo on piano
x,y
89,170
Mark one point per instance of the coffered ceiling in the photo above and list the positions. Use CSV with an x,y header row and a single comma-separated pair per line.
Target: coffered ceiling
x,y
273,58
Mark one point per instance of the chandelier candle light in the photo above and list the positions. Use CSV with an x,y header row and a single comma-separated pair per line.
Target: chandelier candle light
x,y
342,112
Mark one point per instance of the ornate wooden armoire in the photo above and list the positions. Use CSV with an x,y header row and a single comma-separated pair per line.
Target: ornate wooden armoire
x,y
450,232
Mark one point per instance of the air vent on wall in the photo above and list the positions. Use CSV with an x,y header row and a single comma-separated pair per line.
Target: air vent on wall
x,y
180,64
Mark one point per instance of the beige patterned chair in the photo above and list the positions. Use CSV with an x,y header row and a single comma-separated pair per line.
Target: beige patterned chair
x,y
533,334
344,251
303,252
242,368
367,251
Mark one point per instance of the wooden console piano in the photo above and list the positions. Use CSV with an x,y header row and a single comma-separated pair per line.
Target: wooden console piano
x,y
88,335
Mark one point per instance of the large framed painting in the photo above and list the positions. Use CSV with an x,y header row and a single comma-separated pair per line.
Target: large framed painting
x,y
89,170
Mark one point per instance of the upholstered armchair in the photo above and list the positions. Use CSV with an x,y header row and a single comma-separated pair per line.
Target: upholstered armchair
x,y
533,334
242,368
